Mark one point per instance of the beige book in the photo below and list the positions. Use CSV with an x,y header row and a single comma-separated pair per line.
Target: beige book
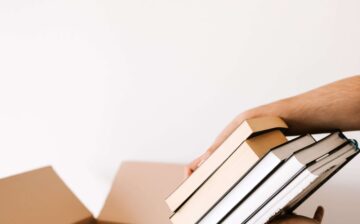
x,y
226,176
247,129
137,196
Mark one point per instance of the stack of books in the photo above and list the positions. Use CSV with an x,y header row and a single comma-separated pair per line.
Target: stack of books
x,y
256,174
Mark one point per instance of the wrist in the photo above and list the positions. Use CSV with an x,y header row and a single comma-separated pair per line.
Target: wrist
x,y
283,108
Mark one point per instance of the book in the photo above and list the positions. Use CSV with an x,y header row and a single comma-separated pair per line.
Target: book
x,y
295,164
226,176
247,129
300,186
272,160
291,206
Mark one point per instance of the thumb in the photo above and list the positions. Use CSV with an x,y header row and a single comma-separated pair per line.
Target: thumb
x,y
319,214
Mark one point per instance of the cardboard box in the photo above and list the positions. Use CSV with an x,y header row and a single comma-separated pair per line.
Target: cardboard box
x,y
137,196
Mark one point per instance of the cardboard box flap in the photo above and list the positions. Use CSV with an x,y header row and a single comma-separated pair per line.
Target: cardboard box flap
x,y
40,197
139,191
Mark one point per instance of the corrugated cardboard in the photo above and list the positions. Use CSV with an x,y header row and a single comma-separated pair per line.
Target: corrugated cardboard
x,y
40,197
137,196
141,187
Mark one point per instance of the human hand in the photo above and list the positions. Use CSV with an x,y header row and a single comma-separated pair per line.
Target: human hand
x,y
334,104
218,141
297,219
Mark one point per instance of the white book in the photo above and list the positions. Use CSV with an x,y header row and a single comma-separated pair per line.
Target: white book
x,y
247,129
307,178
254,177
289,169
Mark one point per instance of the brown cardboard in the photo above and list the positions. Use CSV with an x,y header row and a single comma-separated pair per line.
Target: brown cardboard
x,y
139,191
40,197
137,196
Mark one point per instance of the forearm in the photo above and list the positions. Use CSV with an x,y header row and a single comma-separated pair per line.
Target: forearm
x,y
333,106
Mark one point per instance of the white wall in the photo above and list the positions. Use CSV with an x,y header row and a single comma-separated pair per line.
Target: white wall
x,y
85,85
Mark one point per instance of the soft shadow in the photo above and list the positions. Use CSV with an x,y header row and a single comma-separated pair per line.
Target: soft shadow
x,y
341,203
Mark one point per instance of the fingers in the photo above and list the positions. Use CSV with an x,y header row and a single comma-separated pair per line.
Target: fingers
x,y
189,169
319,214
196,163
218,141
229,129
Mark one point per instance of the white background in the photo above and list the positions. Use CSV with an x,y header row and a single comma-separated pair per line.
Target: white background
x,y
85,85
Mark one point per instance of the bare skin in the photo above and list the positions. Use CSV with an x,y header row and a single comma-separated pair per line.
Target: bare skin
x,y
332,106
